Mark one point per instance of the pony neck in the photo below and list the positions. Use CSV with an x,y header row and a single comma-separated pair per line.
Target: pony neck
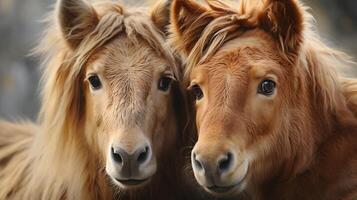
x,y
321,109
328,106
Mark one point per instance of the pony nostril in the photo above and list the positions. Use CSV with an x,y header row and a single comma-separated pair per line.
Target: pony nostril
x,y
116,156
196,162
225,163
143,156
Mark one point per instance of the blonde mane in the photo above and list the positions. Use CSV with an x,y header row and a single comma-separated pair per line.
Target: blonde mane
x,y
62,144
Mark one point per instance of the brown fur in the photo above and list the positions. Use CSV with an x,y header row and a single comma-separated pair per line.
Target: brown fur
x,y
64,155
349,89
299,143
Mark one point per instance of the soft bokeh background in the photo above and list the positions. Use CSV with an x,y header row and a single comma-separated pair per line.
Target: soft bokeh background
x,y
20,30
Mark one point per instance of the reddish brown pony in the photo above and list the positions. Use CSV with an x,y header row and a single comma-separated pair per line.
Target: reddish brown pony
x,y
113,112
271,116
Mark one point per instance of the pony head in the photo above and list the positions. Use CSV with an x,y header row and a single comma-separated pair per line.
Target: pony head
x,y
260,78
113,85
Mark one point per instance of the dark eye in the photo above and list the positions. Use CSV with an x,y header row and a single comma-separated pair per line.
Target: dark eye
x,y
164,83
196,92
95,82
267,87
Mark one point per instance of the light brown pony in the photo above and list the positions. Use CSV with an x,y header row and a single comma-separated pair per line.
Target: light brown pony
x,y
270,112
113,114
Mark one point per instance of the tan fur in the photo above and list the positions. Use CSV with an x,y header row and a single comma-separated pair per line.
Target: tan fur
x,y
299,143
64,155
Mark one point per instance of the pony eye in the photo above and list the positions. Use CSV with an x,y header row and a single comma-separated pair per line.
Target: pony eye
x,y
164,83
267,87
197,92
95,82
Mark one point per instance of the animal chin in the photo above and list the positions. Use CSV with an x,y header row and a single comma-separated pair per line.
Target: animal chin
x,y
222,191
225,190
231,189
131,183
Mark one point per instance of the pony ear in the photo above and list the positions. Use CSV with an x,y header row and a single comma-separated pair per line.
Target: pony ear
x,y
160,15
283,19
76,19
188,20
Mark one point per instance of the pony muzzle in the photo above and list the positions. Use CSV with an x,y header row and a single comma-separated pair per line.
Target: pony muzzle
x,y
131,168
218,172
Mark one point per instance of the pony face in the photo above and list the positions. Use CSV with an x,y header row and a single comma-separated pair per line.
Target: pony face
x,y
128,83
129,93
243,80
239,95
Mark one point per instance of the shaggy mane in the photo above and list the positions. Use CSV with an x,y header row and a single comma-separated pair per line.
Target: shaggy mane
x,y
62,133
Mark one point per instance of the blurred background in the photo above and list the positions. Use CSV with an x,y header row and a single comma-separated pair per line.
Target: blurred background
x,y
20,31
